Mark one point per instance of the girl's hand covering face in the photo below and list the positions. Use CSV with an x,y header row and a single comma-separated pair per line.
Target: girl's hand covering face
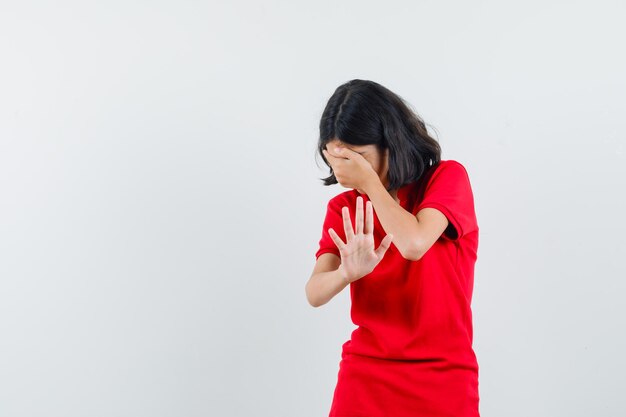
x,y
350,168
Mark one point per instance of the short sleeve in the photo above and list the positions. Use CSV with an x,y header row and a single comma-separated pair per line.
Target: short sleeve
x,y
449,191
333,219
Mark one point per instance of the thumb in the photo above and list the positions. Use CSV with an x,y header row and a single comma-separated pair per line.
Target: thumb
x,y
384,245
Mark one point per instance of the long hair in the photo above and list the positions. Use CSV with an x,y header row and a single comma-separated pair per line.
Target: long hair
x,y
363,112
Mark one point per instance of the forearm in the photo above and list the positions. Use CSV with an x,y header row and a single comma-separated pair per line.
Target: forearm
x,y
394,219
323,286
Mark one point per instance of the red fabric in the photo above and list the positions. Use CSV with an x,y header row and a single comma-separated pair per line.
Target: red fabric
x,y
411,354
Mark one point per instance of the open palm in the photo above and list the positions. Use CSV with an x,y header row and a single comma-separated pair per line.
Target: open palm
x,y
358,255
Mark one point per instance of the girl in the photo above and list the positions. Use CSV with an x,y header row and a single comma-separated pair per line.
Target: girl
x,y
411,353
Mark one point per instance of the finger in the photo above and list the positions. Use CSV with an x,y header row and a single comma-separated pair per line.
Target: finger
x,y
369,218
335,237
330,155
384,245
343,152
347,223
359,215
340,153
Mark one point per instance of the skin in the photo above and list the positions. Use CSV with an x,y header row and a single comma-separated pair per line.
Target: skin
x,y
377,160
365,169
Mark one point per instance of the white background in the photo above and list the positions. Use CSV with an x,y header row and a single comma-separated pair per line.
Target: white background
x,y
161,202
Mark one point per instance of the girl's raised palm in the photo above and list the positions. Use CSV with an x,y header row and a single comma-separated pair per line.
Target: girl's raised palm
x,y
358,256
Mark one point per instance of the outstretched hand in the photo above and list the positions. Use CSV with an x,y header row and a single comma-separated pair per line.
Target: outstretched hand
x,y
358,256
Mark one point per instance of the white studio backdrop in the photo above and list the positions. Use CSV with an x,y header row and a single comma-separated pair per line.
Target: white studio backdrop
x,y
161,203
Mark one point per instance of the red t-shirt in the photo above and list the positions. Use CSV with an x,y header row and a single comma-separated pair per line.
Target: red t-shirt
x,y
411,353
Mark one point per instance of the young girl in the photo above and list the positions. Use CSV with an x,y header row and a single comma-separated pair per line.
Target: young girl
x,y
411,354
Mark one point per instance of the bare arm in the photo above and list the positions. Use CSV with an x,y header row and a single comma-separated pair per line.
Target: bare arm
x,y
358,256
413,235
326,281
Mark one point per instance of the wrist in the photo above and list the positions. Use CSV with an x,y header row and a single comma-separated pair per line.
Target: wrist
x,y
371,186
343,275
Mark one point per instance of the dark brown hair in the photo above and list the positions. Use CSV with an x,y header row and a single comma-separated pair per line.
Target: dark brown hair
x,y
362,112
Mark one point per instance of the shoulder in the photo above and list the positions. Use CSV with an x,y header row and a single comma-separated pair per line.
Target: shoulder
x,y
444,173
451,166
344,198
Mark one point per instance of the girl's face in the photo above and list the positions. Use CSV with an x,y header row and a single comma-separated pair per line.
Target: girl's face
x,y
377,159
